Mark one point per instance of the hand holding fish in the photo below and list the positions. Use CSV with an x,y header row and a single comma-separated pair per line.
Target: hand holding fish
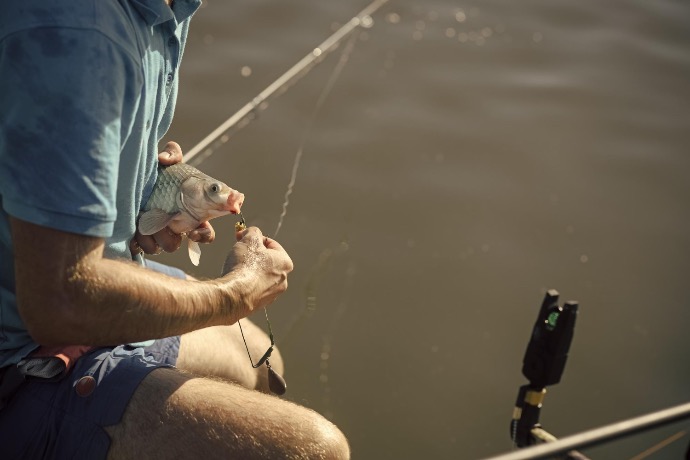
x,y
261,265
166,240
172,154
182,202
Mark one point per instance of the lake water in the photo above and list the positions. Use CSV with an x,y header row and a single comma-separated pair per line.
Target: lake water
x,y
470,156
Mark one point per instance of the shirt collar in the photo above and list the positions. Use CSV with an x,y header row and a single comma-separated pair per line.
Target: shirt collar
x,y
157,12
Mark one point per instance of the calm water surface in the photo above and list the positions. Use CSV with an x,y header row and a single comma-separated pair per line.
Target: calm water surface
x,y
470,156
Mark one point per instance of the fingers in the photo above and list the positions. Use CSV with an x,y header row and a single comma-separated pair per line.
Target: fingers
x,y
203,234
167,241
249,234
239,235
270,243
264,265
279,254
255,234
146,243
164,240
171,154
134,247
253,239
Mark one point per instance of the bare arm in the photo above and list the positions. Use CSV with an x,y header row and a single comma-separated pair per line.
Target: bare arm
x,y
68,293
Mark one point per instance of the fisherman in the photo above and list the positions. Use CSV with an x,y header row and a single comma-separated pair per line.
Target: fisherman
x,y
101,357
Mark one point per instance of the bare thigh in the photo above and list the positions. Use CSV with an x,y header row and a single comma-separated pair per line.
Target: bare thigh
x,y
220,352
176,416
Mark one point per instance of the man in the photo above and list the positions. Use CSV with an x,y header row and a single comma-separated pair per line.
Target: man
x,y
87,90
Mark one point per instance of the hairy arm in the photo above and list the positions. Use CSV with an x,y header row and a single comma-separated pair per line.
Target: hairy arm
x,y
68,293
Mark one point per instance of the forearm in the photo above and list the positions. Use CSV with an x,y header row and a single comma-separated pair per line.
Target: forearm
x,y
67,293
109,302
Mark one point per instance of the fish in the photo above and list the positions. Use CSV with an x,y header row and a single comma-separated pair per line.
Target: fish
x,y
182,199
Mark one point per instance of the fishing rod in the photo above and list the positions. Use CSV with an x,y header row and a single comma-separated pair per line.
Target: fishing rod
x,y
249,111
603,435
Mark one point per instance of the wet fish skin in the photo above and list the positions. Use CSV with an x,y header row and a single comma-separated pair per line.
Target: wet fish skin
x,y
184,197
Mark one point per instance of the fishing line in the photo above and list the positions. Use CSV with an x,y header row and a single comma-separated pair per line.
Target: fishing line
x,y
344,58
249,111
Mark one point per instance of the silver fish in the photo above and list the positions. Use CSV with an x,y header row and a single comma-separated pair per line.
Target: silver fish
x,y
184,197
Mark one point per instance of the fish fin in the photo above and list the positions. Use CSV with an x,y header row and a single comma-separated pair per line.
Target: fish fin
x,y
154,220
194,251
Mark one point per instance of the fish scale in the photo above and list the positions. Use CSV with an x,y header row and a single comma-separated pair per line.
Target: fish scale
x,y
168,184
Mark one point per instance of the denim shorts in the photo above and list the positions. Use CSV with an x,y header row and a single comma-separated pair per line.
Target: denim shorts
x,y
66,419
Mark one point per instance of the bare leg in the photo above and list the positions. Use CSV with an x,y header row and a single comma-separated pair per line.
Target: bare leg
x,y
173,415
219,352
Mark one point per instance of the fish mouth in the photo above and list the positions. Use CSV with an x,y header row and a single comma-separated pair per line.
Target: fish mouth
x,y
234,202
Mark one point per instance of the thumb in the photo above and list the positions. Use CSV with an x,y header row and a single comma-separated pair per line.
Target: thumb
x,y
171,154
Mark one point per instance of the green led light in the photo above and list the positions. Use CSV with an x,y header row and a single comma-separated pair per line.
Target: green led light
x,y
552,320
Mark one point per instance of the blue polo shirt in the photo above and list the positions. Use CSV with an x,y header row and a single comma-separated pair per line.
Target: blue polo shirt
x,y
87,90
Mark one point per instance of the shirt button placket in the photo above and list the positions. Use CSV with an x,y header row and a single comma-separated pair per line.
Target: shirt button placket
x,y
172,51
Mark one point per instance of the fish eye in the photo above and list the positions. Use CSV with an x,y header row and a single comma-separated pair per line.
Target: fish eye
x,y
215,188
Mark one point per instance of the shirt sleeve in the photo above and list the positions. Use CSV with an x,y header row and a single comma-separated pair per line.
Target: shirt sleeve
x,y
62,93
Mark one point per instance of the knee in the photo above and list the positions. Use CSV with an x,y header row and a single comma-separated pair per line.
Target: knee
x,y
328,441
335,442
